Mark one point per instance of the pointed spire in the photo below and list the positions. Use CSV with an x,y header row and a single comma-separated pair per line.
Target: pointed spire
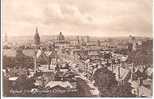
x,y
5,37
36,37
36,30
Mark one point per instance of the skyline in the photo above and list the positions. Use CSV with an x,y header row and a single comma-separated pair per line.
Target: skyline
x,y
106,18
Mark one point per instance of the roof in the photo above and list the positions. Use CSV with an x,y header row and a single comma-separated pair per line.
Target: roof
x,y
93,53
44,68
143,91
149,71
134,84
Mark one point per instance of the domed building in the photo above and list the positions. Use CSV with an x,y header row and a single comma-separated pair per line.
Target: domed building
x,y
61,37
61,42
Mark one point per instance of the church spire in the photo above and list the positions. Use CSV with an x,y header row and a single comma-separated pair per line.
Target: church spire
x,y
36,37
36,31
5,37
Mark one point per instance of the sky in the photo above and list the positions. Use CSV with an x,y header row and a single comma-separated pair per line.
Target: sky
x,y
77,17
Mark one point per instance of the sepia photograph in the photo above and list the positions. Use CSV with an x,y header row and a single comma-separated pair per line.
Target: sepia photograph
x,y
77,48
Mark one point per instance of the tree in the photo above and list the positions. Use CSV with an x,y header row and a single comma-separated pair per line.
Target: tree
x,y
124,90
108,86
8,61
105,81
23,60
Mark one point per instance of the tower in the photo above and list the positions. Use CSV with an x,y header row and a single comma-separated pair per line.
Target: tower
x,y
87,39
132,43
98,43
5,38
36,37
78,40
37,43
60,37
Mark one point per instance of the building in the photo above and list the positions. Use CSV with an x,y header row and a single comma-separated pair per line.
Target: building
x,y
60,37
61,42
36,37
5,37
132,43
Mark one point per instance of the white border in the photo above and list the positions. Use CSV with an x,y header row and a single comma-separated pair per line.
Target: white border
x,y
1,50
2,97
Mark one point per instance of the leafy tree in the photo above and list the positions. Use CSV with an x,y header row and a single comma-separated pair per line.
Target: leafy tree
x,y
20,82
23,60
19,60
8,61
105,81
124,90
108,86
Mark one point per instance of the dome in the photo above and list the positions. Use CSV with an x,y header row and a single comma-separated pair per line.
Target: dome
x,y
61,37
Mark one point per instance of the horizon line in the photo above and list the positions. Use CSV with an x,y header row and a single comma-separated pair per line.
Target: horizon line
x,y
82,35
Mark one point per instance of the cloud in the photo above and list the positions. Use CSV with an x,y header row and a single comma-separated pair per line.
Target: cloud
x,y
68,14
97,17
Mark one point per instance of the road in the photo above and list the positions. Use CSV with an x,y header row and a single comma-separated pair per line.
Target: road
x,y
85,86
